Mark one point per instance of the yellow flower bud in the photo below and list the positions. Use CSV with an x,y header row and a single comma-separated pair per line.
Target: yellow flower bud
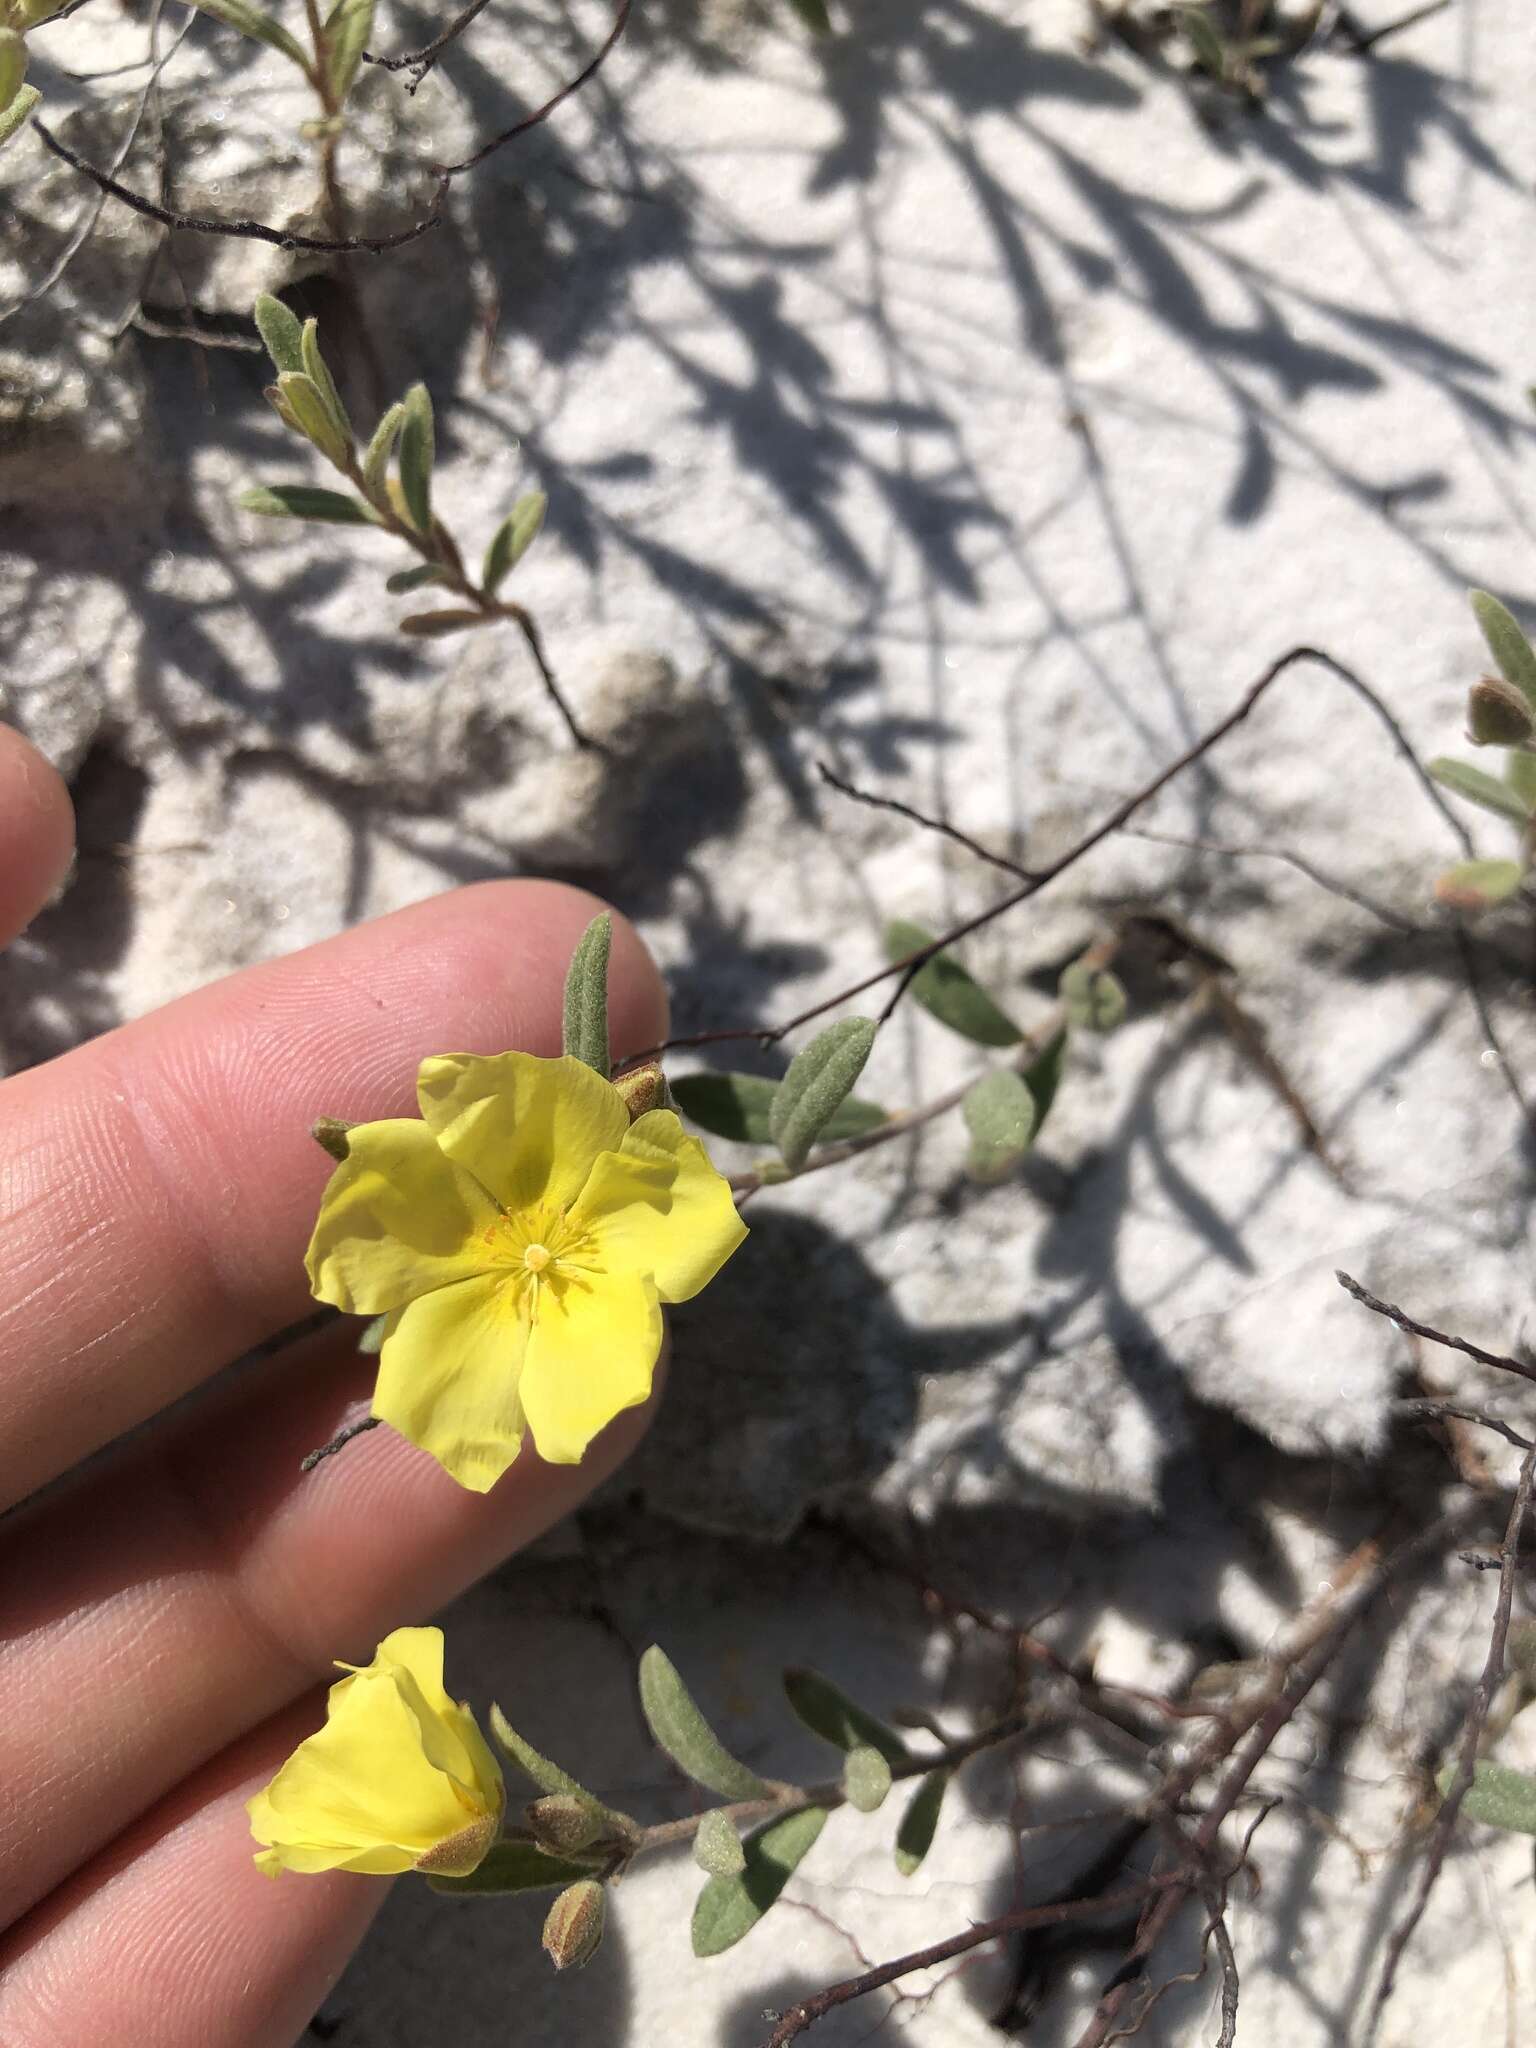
x,y
399,1778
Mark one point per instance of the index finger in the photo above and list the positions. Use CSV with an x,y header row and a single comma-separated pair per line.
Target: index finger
x,y
158,1185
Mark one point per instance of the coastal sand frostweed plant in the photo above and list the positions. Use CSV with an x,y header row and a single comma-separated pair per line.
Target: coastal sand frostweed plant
x,y
520,1239
399,1778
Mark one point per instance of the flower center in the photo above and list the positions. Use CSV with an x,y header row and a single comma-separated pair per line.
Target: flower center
x,y
536,1257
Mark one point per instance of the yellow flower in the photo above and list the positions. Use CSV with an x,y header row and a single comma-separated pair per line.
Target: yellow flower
x,y
522,1239
399,1778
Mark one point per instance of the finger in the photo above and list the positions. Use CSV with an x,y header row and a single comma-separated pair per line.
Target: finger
x,y
172,1935
37,832
159,1184
200,1582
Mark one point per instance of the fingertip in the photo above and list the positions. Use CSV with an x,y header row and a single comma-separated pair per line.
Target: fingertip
x,y
37,832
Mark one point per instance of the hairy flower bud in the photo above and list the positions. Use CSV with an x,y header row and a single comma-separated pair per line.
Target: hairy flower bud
x,y
574,1928
563,1823
644,1088
1498,714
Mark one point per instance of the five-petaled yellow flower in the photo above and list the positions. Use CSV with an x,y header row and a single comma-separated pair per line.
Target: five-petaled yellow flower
x,y
522,1239
399,1778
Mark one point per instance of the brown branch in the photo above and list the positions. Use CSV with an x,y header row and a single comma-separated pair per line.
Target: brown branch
x,y
917,817
1436,1411
541,114
1361,41
1482,1700
422,60
1405,1322
338,1442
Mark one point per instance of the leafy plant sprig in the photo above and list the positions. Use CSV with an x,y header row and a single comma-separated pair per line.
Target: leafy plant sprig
x,y
17,98
392,489
1501,712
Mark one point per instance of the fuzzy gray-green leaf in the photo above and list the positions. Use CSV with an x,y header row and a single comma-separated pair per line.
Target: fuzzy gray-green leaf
x,y
380,448
1042,1077
311,412
417,452
14,115
914,1837
866,1778
250,21
319,374
347,29
947,992
717,1846
1092,998
1520,774
1499,1796
586,998
814,14
741,1106
1479,787
828,1712
404,580
1506,643
513,538
1204,41
729,1907
1000,1114
281,330
819,1080
674,1719
546,1775
1475,885
305,501
511,1866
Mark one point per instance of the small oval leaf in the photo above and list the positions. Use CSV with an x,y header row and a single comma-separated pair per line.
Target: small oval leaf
x,y
1042,1077
828,1712
250,21
914,1837
947,992
1092,998
1001,1115
380,448
819,1079
741,1106
413,579
281,330
318,372
511,1865
305,501
1506,643
1498,1796
310,411
673,1717
866,1779
717,1846
1479,787
417,451
1474,885
513,538
586,998
347,29
729,1907
434,625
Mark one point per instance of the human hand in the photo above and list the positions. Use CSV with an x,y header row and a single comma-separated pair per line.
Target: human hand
x,y
168,1607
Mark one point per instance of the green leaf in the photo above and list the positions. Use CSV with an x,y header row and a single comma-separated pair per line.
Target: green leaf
x,y
416,457
347,28
741,1106
318,373
14,116
1474,885
585,1033
1001,1114
1499,1796
1520,774
434,625
819,1079
413,579
380,448
947,992
674,1719
511,1866
371,1342
250,21
311,413
1042,1077
828,1712
1479,787
1204,41
281,330
866,1779
1506,643
914,1837
717,1846
729,1907
13,66
1092,998
305,501
814,14
546,1775
513,538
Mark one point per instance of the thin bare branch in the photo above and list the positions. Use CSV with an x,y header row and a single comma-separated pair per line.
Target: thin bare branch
x,y
541,114
917,817
1405,1322
1294,860
1361,41
421,61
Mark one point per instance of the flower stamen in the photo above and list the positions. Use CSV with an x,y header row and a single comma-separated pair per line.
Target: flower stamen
x,y
536,1257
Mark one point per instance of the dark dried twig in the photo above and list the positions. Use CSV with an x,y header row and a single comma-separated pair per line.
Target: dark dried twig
x,y
1361,41
1294,860
1436,1411
1405,1322
541,114
421,61
917,817
339,1441
1482,1700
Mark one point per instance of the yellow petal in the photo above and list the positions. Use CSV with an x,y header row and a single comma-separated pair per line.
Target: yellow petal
x,y
593,1350
449,1374
527,1129
396,1220
657,1206
450,1734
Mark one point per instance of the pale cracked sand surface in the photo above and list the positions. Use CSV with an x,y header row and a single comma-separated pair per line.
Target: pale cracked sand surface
x,y
960,412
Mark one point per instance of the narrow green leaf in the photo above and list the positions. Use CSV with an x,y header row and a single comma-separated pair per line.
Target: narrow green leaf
x,y
14,116
1042,1077
417,446
313,417
741,1106
866,1779
1479,787
947,992
318,372
281,330
914,1837
586,998
371,1342
828,1712
1000,1113
819,1079
1506,643
511,1866
513,538
434,625
674,1719
347,29
413,579
1474,885
1204,41
250,21
1520,774
717,1846
546,1775
814,14
729,1907
1498,1796
13,66
305,501
1092,998
380,448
